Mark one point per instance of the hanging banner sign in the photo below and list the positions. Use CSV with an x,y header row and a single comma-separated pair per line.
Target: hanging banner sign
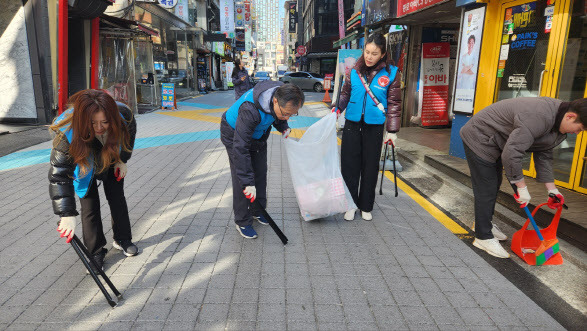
x,y
471,34
405,7
227,16
433,105
181,10
292,19
248,36
247,12
341,21
239,15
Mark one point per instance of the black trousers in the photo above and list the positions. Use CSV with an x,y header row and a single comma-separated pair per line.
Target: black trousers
x,y
241,206
360,154
486,178
93,232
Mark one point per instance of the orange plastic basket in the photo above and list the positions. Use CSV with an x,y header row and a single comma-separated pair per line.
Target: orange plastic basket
x,y
525,239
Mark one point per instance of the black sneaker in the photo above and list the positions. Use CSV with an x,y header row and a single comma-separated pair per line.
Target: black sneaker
x,y
99,259
127,247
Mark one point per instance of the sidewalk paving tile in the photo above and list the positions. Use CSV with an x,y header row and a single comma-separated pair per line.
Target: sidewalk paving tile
x,y
402,271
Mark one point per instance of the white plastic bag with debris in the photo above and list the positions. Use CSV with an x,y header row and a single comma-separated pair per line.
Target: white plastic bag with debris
x,y
314,165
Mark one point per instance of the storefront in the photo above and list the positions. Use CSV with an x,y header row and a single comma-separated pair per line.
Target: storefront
x,y
417,32
531,49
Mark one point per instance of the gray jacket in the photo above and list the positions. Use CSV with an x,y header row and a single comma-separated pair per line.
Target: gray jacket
x,y
512,127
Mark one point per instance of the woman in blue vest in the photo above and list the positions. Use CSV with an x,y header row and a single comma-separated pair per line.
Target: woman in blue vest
x,y
244,130
93,141
366,112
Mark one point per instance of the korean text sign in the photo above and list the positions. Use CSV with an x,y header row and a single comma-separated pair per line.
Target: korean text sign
x,y
167,95
434,72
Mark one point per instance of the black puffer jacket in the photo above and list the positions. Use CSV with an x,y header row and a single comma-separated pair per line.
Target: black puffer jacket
x,y
240,86
61,176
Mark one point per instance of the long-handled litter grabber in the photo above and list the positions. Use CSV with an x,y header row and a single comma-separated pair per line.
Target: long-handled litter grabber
x,y
547,248
86,258
257,205
394,170
383,170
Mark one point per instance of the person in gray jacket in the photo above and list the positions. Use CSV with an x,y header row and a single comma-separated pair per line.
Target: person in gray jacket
x,y
496,139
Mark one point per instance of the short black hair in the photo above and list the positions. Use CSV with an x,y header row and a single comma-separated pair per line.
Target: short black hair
x,y
287,93
471,37
579,107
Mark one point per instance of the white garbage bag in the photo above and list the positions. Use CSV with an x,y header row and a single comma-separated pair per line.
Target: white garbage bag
x,y
314,165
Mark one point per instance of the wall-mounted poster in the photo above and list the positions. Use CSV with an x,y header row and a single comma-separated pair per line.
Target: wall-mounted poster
x,y
433,106
470,41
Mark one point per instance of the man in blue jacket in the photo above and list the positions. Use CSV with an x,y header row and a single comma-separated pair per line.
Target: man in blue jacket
x,y
244,130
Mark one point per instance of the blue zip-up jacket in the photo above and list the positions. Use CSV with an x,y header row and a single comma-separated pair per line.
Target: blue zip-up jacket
x,y
65,180
246,125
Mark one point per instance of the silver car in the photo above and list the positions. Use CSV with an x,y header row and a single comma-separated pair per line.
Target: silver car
x,y
305,80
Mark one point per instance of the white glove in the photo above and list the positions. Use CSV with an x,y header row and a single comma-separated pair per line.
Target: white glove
x,y
523,196
285,134
250,192
120,170
67,227
390,137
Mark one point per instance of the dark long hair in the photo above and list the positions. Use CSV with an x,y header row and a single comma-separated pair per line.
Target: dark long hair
x,y
237,67
379,40
85,104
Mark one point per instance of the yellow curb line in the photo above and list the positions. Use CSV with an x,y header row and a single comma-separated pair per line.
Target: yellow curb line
x,y
448,223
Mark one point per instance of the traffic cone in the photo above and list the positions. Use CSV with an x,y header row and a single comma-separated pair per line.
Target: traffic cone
x,y
327,98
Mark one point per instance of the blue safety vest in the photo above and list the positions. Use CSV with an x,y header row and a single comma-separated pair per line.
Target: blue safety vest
x,y
361,103
81,183
232,114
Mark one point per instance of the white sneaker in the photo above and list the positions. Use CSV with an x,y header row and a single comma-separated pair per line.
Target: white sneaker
x,y
366,215
350,215
496,233
491,246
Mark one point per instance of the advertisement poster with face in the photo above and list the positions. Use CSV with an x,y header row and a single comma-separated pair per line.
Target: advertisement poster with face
x,y
471,33
345,62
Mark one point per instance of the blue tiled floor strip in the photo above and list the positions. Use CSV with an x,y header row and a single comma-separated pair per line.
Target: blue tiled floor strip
x,y
28,158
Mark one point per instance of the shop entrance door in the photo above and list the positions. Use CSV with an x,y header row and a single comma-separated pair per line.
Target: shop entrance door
x,y
542,44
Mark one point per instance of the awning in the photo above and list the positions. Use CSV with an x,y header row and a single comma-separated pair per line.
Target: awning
x,y
164,15
444,12
322,54
122,23
350,37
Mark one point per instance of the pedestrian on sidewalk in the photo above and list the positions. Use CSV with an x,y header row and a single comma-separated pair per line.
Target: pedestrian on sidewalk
x,y
371,96
93,142
498,137
244,130
240,79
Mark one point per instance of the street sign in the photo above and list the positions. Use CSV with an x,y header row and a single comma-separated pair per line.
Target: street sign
x,y
301,50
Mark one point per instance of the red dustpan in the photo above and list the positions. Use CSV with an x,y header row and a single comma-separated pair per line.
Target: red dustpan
x,y
525,242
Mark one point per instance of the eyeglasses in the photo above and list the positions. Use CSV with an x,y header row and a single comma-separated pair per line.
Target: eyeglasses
x,y
286,114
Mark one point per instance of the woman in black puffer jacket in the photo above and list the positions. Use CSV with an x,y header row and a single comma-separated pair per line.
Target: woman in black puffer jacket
x,y
240,79
93,141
